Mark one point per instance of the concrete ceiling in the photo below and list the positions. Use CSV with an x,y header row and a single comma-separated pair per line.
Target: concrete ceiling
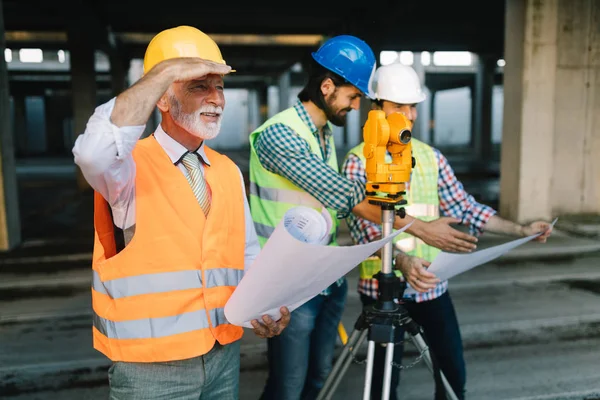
x,y
418,25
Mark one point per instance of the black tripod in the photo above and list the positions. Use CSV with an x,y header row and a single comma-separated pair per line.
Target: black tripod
x,y
380,321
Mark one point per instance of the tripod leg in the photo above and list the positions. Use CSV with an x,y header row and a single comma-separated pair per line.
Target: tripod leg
x,y
387,374
422,348
342,364
369,370
348,360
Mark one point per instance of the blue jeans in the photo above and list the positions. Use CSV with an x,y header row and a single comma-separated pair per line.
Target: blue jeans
x,y
301,357
441,332
213,376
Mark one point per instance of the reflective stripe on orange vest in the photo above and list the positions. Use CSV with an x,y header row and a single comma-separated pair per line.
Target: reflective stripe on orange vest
x,y
162,297
163,282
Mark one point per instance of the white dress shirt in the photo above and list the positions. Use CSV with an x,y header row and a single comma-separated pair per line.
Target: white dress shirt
x,y
103,152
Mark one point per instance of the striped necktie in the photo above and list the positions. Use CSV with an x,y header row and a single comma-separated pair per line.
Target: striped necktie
x,y
196,179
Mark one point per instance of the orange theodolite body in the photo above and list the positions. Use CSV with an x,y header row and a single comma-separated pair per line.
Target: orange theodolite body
x,y
386,181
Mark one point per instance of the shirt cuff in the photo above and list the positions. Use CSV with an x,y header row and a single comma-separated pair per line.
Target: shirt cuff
x,y
126,137
477,228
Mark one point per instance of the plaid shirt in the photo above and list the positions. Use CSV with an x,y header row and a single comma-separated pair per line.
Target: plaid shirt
x,y
281,151
454,202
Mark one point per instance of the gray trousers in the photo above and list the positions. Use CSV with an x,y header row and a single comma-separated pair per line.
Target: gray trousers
x,y
213,376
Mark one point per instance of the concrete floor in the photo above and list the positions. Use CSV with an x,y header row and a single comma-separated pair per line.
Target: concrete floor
x,y
530,320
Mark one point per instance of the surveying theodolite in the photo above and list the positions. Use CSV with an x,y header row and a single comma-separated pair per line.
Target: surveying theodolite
x,y
386,186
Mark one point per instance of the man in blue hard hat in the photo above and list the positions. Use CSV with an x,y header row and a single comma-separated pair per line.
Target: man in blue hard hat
x,y
292,163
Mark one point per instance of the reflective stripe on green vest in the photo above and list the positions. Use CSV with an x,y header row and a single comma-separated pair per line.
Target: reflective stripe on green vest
x,y
272,195
422,202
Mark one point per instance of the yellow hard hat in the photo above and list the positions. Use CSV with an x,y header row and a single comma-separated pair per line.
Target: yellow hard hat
x,y
182,41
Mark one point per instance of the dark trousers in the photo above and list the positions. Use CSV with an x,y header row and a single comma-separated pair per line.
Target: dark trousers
x,y
301,357
441,332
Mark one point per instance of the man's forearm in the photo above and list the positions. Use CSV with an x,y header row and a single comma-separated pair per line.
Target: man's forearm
x,y
437,233
498,224
135,105
368,211
371,212
416,229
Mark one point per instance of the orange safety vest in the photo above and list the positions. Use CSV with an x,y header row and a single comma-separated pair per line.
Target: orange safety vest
x,y
162,297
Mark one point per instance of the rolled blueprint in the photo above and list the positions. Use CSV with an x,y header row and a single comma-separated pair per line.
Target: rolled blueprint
x,y
294,265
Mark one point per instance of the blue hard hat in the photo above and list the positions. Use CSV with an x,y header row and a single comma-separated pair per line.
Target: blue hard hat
x,y
350,58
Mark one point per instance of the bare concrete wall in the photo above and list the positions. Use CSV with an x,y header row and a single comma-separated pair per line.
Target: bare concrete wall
x,y
551,137
577,122
10,225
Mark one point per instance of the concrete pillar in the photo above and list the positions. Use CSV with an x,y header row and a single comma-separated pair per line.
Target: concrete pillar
x,y
432,118
420,69
284,84
119,68
551,126
10,222
253,105
365,103
481,130
118,58
36,125
20,123
363,114
55,136
365,107
345,137
83,80
263,103
135,71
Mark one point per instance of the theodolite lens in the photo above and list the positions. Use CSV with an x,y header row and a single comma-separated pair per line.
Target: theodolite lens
x,y
405,136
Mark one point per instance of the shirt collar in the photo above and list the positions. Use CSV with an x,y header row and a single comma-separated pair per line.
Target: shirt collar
x,y
305,117
174,149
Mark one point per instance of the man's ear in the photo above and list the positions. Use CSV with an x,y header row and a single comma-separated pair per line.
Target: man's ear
x,y
377,105
163,103
327,87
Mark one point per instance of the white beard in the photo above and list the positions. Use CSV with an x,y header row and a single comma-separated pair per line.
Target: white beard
x,y
193,123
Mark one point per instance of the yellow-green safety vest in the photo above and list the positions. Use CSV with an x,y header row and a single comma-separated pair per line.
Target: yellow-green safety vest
x,y
422,202
272,195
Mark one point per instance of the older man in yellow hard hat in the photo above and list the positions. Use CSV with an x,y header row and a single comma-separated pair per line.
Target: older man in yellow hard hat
x,y
173,233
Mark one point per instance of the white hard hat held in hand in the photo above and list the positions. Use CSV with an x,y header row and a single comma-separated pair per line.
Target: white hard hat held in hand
x,y
305,224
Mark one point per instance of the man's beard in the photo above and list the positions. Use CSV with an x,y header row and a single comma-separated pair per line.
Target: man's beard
x,y
332,114
192,122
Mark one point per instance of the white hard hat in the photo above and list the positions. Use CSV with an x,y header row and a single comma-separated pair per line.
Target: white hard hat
x,y
398,83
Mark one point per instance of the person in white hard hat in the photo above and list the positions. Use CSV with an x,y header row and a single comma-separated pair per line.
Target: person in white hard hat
x,y
433,193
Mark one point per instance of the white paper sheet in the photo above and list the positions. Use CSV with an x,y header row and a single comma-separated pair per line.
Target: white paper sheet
x,y
289,272
448,265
